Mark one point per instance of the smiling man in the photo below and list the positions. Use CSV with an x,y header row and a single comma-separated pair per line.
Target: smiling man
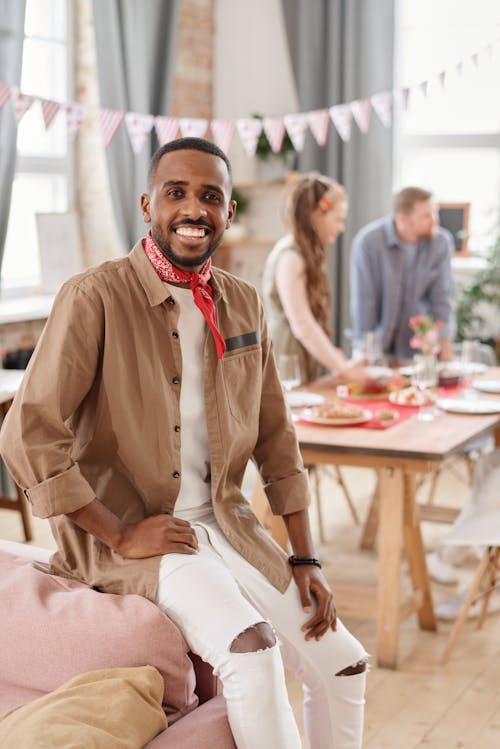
x,y
152,386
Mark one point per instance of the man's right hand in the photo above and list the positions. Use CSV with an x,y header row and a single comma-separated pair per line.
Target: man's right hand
x,y
155,536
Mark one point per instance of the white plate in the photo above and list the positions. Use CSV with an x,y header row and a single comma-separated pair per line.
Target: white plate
x,y
303,400
308,416
487,386
399,394
377,373
450,367
469,405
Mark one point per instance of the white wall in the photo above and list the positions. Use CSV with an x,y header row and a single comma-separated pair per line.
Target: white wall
x,y
252,73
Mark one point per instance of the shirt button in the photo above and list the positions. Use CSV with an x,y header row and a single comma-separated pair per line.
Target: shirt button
x,y
176,474
170,300
176,380
175,334
177,428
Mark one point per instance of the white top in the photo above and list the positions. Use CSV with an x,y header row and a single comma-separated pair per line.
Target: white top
x,y
194,500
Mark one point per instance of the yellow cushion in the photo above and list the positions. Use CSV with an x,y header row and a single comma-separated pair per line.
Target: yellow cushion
x,y
116,708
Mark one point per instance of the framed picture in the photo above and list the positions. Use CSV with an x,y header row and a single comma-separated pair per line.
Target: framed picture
x,y
455,218
59,245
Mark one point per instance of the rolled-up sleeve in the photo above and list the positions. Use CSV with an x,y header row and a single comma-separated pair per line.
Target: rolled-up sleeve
x,y
277,453
37,442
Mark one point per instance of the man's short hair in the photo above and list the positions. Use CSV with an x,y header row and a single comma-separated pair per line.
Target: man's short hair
x,y
185,144
404,200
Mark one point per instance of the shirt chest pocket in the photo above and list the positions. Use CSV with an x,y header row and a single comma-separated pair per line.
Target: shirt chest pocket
x,y
242,374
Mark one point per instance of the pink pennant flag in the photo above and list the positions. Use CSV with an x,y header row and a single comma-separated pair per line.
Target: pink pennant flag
x,y
382,104
296,127
166,129
442,78
319,122
404,97
21,102
423,86
4,93
249,129
193,127
274,128
138,127
342,117
109,120
223,131
362,112
75,114
49,110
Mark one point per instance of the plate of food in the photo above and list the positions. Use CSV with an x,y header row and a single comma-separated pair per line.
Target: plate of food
x,y
297,399
412,396
487,386
470,405
382,382
336,413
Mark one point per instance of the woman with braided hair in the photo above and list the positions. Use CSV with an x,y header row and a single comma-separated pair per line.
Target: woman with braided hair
x,y
295,285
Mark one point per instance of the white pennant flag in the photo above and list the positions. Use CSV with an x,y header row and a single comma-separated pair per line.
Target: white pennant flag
x,y
296,127
403,95
166,129
4,93
109,120
319,122
49,110
459,67
423,86
342,117
274,129
223,131
21,102
75,114
249,129
193,127
362,112
442,78
382,104
138,127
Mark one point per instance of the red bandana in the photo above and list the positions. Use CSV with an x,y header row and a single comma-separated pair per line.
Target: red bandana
x,y
198,283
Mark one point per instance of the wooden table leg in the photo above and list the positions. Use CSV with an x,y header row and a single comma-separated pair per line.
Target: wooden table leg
x,y
391,492
416,554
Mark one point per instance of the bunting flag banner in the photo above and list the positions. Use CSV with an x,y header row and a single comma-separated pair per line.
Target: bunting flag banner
x,y
475,59
166,129
274,128
319,122
296,127
404,97
193,127
342,117
109,121
4,93
459,67
423,86
49,110
362,113
223,131
249,130
382,104
75,114
138,128
21,102
442,78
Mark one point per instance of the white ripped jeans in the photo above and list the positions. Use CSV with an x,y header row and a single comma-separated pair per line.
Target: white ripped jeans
x,y
213,596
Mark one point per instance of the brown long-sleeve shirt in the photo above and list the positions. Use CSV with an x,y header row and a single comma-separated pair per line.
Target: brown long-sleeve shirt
x,y
98,416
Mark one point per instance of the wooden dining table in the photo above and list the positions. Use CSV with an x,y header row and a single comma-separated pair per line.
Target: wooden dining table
x,y
398,453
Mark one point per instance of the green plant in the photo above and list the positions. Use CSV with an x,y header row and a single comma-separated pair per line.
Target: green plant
x,y
264,150
242,200
481,292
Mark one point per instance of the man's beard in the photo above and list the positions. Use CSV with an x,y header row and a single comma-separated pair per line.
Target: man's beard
x,y
180,262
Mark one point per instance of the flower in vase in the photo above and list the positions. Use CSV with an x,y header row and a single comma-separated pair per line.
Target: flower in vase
x,y
425,334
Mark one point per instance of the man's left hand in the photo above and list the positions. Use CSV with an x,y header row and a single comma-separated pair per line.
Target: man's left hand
x,y
314,590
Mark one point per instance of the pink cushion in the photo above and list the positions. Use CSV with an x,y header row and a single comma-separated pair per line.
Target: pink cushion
x,y
204,728
53,629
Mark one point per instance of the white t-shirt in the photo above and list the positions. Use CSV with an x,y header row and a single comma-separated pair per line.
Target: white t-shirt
x,y
194,501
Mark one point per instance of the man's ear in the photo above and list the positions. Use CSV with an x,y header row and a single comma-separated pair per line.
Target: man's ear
x,y
231,212
145,207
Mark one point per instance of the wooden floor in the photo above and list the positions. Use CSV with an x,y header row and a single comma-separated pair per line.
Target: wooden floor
x,y
422,704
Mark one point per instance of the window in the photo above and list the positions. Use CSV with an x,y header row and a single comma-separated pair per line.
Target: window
x,y
41,182
449,140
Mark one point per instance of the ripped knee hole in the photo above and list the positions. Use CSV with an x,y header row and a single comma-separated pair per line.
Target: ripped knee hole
x,y
356,668
257,637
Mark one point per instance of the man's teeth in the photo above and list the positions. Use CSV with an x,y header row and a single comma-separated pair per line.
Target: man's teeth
x,y
191,231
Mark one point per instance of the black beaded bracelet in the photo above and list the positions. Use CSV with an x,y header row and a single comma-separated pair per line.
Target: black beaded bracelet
x,y
296,561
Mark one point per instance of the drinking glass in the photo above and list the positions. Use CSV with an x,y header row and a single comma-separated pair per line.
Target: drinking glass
x,y
470,353
368,348
289,371
424,377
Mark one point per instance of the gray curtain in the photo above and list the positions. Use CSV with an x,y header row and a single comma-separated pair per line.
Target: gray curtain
x,y
11,54
136,41
342,50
